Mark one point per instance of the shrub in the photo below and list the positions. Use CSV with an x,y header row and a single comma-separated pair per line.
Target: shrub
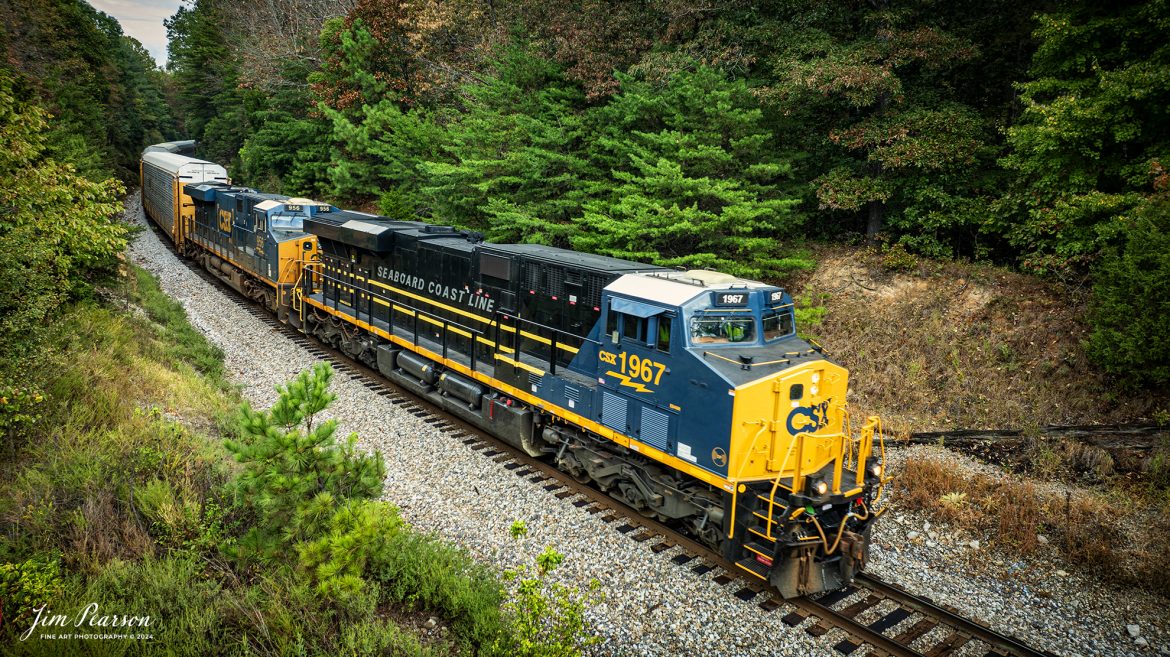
x,y
50,261
27,585
549,617
296,477
424,573
1131,299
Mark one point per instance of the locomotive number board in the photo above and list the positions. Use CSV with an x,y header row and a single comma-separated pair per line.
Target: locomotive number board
x,y
731,299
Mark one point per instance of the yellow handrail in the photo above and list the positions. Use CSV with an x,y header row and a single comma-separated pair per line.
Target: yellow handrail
x,y
776,482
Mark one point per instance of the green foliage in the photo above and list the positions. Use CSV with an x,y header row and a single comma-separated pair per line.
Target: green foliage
x,y
874,93
102,87
187,344
1096,116
549,617
297,481
18,408
897,258
211,106
519,529
47,261
810,311
27,585
1131,299
422,572
697,181
513,163
287,150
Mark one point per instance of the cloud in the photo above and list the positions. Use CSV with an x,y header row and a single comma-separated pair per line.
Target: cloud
x,y
143,20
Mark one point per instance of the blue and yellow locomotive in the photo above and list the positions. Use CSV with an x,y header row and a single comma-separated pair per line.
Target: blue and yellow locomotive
x,y
687,395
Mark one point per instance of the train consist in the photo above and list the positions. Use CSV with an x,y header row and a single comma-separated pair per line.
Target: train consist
x,y
686,395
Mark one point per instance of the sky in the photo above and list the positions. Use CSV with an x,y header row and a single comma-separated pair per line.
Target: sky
x,y
143,20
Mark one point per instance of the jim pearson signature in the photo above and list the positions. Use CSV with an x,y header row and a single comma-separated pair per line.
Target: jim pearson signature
x,y
91,617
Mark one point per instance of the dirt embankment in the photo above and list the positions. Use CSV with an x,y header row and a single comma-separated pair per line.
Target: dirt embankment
x,y
956,345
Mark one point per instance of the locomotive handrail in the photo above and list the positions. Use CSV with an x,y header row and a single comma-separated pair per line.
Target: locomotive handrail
x,y
416,312
495,323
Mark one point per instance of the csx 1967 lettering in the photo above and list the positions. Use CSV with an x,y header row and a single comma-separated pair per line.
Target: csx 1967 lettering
x,y
634,367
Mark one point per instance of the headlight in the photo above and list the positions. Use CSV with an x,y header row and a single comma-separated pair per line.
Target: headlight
x,y
874,467
817,485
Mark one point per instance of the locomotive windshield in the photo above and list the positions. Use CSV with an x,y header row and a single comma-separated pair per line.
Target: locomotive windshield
x,y
722,329
777,324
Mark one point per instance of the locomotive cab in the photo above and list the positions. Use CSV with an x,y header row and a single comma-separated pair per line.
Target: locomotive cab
x,y
706,370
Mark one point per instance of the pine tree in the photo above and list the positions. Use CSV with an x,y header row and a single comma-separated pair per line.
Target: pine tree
x,y
296,477
696,178
1096,118
513,165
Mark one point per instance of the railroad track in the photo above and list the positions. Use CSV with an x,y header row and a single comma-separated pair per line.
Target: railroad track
x,y
896,622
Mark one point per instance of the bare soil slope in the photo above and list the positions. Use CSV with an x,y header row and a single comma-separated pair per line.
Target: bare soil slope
x,y
958,345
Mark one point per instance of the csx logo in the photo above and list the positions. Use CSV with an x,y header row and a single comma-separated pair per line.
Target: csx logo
x,y
808,419
609,358
225,221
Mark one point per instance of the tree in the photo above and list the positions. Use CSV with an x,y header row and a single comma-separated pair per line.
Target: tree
x,y
102,88
296,477
1096,117
696,180
1131,293
873,80
376,141
212,107
513,162
60,229
288,150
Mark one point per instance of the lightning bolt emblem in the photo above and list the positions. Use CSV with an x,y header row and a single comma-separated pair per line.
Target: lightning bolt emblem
x,y
626,381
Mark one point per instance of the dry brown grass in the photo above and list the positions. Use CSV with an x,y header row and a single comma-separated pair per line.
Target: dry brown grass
x,y
950,345
1116,534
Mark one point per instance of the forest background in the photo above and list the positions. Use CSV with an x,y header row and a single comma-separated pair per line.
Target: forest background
x,y
725,135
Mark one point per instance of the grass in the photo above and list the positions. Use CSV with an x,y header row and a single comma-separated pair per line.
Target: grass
x,y
116,495
958,345
1116,533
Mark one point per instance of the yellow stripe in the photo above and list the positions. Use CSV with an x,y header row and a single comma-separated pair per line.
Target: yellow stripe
x,y
749,570
460,311
523,366
584,422
763,536
766,556
195,240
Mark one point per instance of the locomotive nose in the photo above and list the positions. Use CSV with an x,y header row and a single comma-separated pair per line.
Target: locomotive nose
x,y
791,422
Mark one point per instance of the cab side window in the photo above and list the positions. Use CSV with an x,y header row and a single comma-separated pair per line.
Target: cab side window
x,y
662,340
634,328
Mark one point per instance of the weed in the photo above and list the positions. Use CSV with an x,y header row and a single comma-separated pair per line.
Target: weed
x,y
897,258
1161,417
27,585
954,500
1088,529
185,343
549,617
519,529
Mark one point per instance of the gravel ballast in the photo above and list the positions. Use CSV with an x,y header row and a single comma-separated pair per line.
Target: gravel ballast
x,y
651,606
